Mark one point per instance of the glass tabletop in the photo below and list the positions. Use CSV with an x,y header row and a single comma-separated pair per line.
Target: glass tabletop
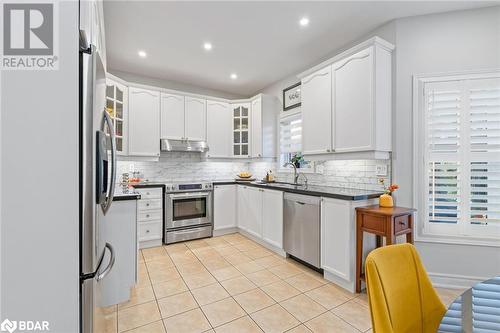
x,y
477,310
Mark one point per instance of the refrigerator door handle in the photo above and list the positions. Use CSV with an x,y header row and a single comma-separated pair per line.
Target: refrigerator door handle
x,y
111,263
88,276
106,120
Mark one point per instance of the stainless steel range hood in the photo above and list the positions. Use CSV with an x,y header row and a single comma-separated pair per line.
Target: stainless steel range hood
x,y
183,145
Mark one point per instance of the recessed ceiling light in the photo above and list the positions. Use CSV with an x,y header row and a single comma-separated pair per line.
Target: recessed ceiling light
x,y
142,54
234,76
207,46
304,21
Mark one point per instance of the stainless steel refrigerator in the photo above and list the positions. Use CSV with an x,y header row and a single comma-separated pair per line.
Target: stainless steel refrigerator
x,y
97,182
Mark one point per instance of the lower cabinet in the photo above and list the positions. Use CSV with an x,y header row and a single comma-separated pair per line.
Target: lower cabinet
x,y
150,217
224,207
260,213
338,240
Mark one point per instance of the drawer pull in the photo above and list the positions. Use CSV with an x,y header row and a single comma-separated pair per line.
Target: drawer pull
x,y
147,231
147,204
402,223
147,215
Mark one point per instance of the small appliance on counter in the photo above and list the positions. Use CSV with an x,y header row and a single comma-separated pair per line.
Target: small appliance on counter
x,y
188,211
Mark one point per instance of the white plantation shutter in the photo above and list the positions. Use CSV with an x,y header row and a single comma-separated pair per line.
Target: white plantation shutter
x,y
291,134
462,155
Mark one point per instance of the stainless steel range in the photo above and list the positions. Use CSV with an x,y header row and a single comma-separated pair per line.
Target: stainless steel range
x,y
188,211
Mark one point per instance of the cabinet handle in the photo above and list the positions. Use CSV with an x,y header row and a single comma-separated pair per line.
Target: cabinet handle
x,y
147,231
147,204
147,215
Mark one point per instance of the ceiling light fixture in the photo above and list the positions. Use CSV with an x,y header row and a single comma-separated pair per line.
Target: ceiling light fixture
x,y
234,76
142,54
207,46
304,22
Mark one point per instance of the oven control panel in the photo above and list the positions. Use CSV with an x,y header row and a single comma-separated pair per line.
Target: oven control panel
x,y
188,187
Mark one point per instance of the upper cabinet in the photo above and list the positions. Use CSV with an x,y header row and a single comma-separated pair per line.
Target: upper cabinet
x,y
241,129
183,117
263,128
172,116
317,112
116,106
346,105
219,129
195,119
144,127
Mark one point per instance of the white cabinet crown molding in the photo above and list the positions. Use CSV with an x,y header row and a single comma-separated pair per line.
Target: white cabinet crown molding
x,y
363,45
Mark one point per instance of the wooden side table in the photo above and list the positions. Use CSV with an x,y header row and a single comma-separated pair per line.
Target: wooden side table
x,y
382,222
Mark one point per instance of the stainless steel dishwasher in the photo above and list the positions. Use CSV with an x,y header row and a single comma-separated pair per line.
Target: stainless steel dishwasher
x,y
301,217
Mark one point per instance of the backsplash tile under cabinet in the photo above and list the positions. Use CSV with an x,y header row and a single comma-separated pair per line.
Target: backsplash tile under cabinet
x,y
359,174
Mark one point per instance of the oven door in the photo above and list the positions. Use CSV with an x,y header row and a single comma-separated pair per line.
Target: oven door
x,y
188,209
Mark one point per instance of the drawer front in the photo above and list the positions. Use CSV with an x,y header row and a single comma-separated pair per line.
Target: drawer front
x,y
150,193
401,223
149,204
187,234
150,215
148,231
375,223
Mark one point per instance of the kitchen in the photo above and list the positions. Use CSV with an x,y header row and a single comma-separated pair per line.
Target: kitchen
x,y
246,179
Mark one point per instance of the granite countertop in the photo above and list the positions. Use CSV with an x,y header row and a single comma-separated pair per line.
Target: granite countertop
x,y
316,190
124,193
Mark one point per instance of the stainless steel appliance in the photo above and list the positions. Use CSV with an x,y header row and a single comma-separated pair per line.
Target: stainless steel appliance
x,y
97,155
183,145
188,211
301,227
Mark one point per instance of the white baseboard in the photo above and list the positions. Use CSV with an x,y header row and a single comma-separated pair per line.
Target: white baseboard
x,y
349,286
451,281
271,247
225,231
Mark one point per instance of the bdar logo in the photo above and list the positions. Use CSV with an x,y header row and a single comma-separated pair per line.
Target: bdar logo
x,y
8,326
28,29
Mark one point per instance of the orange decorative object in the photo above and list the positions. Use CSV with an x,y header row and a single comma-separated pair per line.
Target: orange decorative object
x,y
386,200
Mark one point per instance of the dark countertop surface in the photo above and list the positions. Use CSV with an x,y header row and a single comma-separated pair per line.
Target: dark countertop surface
x,y
316,190
123,193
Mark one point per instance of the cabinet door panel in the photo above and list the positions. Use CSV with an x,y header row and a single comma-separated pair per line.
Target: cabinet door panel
x,y
172,116
256,127
195,118
243,207
255,211
337,231
218,129
144,118
317,112
272,217
224,206
353,102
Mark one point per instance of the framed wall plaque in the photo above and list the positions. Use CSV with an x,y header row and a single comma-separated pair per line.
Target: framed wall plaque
x,y
291,97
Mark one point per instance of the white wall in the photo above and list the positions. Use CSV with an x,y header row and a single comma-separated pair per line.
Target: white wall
x,y
39,187
130,77
457,41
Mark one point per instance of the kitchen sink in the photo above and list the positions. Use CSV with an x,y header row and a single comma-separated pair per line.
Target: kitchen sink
x,y
282,184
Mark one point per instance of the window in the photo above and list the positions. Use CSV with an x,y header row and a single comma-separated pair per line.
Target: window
x,y
457,147
291,140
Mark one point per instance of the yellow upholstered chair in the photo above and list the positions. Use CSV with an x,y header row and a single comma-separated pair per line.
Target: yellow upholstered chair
x,y
400,294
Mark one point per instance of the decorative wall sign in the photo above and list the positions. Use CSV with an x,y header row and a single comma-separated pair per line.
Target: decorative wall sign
x,y
291,97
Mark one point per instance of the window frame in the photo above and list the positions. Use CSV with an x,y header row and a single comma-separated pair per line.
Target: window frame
x,y
280,168
423,230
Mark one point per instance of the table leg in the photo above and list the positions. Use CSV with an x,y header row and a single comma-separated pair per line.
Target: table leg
x,y
359,251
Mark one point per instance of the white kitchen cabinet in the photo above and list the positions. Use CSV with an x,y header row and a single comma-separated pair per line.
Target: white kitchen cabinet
x,y
272,217
357,96
150,217
346,103
243,207
317,112
218,129
144,118
241,129
172,116
254,211
195,113
338,240
264,112
224,207
117,108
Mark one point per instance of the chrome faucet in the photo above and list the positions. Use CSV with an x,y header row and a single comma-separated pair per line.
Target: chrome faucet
x,y
295,175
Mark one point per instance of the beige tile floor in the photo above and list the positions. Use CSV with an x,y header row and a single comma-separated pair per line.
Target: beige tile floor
x,y
232,284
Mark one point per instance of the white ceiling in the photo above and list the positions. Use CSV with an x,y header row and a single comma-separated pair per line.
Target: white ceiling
x,y
260,41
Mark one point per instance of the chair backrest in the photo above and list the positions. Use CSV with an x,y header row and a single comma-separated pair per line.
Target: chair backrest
x,y
400,294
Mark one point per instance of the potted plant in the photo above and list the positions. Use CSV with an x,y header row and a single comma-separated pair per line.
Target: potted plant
x,y
386,199
297,159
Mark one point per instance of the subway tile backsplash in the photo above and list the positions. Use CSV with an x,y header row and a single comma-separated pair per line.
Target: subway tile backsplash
x,y
178,167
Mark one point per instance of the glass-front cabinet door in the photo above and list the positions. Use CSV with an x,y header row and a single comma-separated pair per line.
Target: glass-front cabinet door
x,y
241,130
116,106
